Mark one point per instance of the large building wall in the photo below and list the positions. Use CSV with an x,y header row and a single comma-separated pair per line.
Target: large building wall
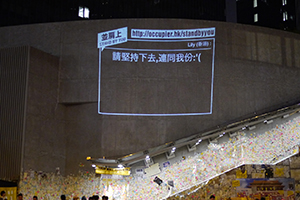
x,y
32,132
256,69
44,145
13,82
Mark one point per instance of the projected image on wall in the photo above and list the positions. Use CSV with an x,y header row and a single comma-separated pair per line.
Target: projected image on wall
x,y
156,72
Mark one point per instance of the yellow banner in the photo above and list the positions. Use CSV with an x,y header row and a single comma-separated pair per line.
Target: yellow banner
x,y
11,192
258,175
290,192
236,183
240,174
281,192
113,171
279,172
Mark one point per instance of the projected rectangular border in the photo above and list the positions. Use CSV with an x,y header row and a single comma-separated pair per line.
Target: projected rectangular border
x,y
160,114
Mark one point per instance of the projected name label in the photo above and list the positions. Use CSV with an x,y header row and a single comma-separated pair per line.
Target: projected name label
x,y
170,74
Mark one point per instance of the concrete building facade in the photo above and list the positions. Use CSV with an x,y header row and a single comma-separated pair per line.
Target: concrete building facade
x,y
255,70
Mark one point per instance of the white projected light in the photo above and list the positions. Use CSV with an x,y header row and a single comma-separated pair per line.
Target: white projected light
x,y
174,49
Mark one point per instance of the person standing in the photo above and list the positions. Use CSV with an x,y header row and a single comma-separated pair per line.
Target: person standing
x,y
20,196
96,197
3,195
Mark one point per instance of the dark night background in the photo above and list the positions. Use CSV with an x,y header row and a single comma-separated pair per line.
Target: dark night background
x,y
270,12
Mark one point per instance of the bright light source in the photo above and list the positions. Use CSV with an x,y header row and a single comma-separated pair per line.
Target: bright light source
x,y
268,121
147,159
254,3
94,166
120,166
198,142
83,12
284,2
284,16
173,149
255,17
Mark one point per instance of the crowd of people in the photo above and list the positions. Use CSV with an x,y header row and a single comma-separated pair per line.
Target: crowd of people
x,y
94,197
62,197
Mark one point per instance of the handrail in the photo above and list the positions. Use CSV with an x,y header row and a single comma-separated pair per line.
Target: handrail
x,y
130,159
